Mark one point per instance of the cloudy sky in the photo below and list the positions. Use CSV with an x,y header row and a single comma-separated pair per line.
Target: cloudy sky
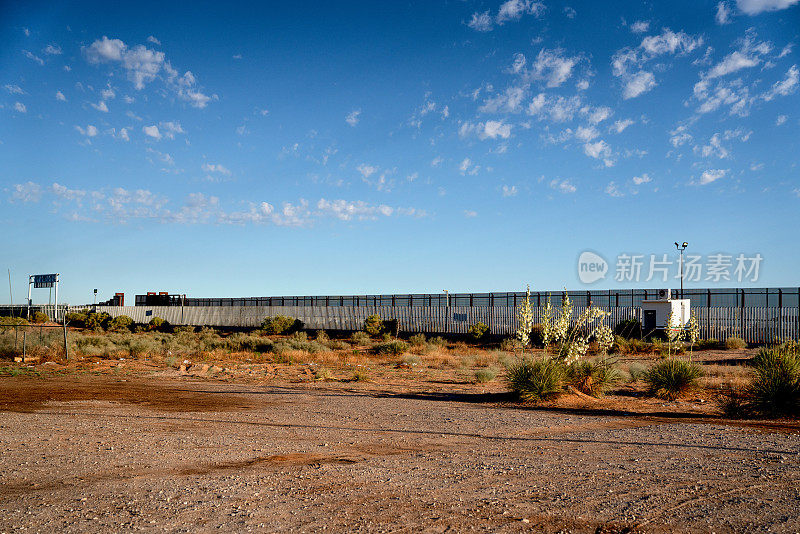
x,y
378,147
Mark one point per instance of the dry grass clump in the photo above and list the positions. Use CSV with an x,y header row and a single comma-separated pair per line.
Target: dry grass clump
x,y
672,378
485,375
734,343
536,379
592,377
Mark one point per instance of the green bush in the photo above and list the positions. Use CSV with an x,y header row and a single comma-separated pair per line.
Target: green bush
x,y
360,338
12,321
671,378
478,331
97,321
417,340
593,377
39,317
280,324
485,375
775,389
183,329
322,336
438,341
121,323
510,344
629,329
393,348
373,325
158,324
637,371
535,380
733,343
537,335
76,319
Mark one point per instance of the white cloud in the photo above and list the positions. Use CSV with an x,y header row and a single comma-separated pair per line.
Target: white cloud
x,y
723,15
564,186
53,50
786,86
481,22
466,167
731,63
143,66
754,7
552,66
170,129
108,94
366,170
33,57
510,191
620,125
714,148
599,114
211,167
27,192
570,12
597,150
153,40
712,175
65,193
781,120
638,84
669,42
557,109
495,129
613,190
14,89
152,131
509,101
19,107
123,134
352,118
582,85
101,106
586,133
643,179
640,26
515,9
89,131
469,214
60,96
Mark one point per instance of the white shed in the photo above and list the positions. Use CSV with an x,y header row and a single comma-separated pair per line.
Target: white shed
x,y
656,312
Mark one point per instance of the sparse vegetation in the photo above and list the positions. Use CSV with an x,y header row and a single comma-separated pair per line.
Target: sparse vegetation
x,y
734,343
593,377
39,317
485,375
775,389
373,325
392,348
280,324
417,340
360,338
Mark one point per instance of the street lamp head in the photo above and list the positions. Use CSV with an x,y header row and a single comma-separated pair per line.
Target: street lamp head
x,y
685,244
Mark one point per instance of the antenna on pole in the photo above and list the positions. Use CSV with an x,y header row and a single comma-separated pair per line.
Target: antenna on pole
x,y
10,293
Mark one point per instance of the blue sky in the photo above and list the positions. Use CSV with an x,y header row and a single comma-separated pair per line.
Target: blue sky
x,y
217,149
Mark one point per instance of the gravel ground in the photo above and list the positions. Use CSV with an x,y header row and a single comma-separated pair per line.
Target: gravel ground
x,y
107,454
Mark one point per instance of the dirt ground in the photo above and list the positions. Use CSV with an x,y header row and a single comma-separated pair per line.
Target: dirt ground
x,y
170,452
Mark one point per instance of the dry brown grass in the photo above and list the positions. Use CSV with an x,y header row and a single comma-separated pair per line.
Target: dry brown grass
x,y
722,376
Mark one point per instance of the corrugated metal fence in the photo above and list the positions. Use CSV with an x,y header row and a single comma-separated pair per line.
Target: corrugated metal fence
x,y
754,325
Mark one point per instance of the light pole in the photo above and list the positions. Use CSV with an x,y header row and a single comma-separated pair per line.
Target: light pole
x,y
680,248
447,305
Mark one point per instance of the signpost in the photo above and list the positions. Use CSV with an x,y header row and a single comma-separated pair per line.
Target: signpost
x,y
39,281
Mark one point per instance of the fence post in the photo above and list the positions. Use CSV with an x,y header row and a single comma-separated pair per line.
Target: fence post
x,y
66,346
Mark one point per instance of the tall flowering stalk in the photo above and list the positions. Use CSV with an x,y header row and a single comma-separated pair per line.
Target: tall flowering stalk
x,y
525,319
570,344
692,332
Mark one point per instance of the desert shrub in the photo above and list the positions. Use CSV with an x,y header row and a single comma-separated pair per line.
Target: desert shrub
x,y
240,342
707,344
393,348
334,344
592,377
360,338
485,375
322,373
775,389
373,325
510,344
478,331
77,319
39,317
322,336
537,335
671,378
637,371
121,323
621,345
536,379
411,359
95,345
734,402
158,324
359,376
438,341
733,343
141,345
637,346
280,324
629,328
417,340
184,329
299,337
392,327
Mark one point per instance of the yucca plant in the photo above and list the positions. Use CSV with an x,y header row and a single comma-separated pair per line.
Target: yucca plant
x,y
775,389
672,378
593,377
536,379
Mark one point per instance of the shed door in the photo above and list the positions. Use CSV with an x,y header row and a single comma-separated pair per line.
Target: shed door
x,y
649,321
